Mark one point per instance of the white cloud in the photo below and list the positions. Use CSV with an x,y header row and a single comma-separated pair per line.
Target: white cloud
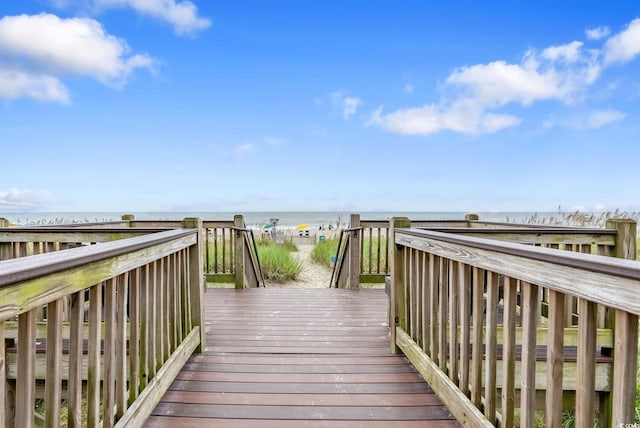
x,y
15,84
569,52
346,104
182,15
537,77
23,200
350,106
624,46
409,88
473,95
242,151
597,33
75,46
41,48
598,119
463,117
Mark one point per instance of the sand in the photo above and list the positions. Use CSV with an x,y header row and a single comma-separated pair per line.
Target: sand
x,y
313,275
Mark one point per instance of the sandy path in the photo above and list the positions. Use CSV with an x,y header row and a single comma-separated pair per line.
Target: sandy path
x,y
313,275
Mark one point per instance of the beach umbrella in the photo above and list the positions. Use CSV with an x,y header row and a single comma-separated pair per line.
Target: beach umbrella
x,y
302,226
267,226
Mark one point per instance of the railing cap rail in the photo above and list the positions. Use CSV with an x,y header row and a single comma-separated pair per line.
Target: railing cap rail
x,y
606,265
527,230
29,267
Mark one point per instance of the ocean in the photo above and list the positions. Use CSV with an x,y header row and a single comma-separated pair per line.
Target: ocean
x,y
257,219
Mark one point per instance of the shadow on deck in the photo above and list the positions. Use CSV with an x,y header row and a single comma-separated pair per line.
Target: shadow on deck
x,y
298,358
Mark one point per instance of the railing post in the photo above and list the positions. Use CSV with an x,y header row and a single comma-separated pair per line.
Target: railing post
x,y
625,238
196,280
625,352
354,252
397,316
238,223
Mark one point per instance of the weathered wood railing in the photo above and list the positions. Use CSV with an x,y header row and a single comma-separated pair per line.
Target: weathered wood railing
x,y
371,252
448,317
135,314
229,249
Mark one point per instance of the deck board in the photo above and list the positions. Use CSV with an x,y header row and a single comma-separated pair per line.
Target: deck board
x,y
298,358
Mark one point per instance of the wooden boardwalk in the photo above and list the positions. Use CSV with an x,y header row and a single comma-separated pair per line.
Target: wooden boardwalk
x,y
285,358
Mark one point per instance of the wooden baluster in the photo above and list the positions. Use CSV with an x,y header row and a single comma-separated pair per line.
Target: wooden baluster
x,y
355,253
491,347
25,389
464,279
419,289
434,263
109,357
224,251
93,380
207,262
585,396
152,316
425,303
530,310
454,288
186,308
378,251
53,382
135,339
370,250
509,352
555,359
121,344
146,326
160,313
166,310
477,345
443,285
177,300
74,393
412,293
215,250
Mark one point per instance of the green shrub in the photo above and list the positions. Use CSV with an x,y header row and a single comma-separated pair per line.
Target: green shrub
x,y
323,251
277,263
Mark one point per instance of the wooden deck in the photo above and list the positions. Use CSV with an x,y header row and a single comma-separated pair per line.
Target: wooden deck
x,y
298,358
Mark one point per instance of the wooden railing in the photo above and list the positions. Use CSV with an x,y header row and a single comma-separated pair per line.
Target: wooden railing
x,y
229,249
117,322
371,253
467,312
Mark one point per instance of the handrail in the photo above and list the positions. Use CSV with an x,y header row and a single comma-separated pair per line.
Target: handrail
x,y
25,268
373,254
603,269
253,253
143,298
340,255
338,260
455,297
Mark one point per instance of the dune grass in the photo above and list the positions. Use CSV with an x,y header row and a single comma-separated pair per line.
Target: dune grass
x,y
323,251
276,261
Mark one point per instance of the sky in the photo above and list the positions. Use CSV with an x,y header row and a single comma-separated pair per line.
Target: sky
x,y
319,105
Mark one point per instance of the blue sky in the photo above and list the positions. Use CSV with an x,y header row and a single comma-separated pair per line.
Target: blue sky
x,y
160,105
